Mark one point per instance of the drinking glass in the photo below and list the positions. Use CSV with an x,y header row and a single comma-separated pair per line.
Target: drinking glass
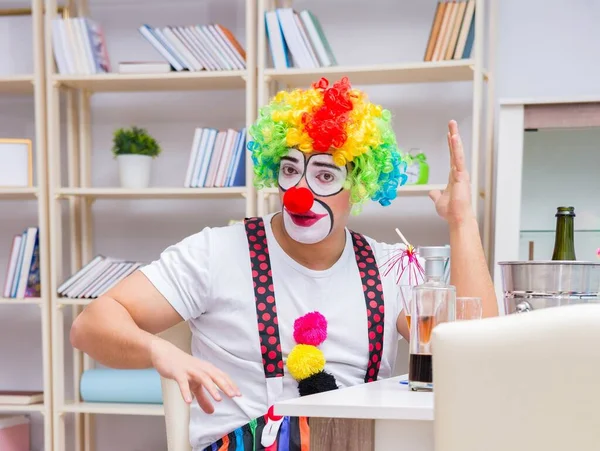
x,y
431,305
405,292
468,308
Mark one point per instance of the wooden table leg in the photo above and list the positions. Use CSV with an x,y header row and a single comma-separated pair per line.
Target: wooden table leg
x,y
340,434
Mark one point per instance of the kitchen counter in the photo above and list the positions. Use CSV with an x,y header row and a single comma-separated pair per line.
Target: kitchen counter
x,y
379,416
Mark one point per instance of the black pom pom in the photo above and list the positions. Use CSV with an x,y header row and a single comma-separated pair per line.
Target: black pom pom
x,y
317,383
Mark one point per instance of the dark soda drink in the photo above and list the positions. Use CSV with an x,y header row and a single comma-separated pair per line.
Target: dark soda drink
x,y
420,371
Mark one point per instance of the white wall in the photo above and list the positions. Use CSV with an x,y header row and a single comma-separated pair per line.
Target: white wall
x,y
560,168
533,37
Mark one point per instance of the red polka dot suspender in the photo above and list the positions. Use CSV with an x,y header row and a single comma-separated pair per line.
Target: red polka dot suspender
x,y
373,290
266,309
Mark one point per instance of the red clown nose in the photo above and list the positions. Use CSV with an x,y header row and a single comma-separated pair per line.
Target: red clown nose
x,y
298,200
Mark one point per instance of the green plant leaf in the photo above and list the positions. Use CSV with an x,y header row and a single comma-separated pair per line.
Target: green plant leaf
x,y
134,141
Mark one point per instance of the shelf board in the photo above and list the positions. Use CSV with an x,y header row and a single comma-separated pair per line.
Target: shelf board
x,y
17,193
20,301
72,301
113,408
406,190
16,84
170,81
39,407
420,72
153,193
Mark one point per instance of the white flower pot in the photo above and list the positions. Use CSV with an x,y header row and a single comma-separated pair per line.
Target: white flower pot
x,y
134,171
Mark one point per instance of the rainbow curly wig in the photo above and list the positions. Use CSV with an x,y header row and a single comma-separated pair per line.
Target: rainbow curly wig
x,y
336,118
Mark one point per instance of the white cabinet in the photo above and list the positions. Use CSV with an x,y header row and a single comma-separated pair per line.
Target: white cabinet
x,y
547,155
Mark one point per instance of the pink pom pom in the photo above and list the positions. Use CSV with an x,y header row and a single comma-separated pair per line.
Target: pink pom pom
x,y
310,329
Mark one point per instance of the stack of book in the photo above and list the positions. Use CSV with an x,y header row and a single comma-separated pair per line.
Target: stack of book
x,y
197,47
297,40
452,31
79,46
217,159
23,270
96,277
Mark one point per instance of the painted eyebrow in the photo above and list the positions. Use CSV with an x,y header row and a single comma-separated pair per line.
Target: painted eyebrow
x,y
292,159
327,165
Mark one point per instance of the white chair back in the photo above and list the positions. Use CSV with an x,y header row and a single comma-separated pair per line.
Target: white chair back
x,y
177,412
522,382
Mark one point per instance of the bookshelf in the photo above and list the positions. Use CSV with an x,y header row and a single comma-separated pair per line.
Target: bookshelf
x,y
476,69
34,85
65,195
72,195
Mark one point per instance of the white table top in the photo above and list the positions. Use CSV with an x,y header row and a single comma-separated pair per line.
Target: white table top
x,y
387,399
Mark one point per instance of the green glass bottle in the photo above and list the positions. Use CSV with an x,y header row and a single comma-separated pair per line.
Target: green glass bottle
x,y
564,241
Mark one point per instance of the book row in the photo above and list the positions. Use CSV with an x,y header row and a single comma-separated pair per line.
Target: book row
x,y
196,47
79,47
217,159
95,278
23,269
452,31
297,40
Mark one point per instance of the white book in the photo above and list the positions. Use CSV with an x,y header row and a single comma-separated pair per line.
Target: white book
x,y
79,286
116,274
231,46
225,157
191,51
206,150
276,41
294,39
215,159
58,47
223,46
307,43
189,60
16,278
206,47
155,42
86,47
31,235
315,39
82,272
108,272
193,157
126,269
197,48
12,265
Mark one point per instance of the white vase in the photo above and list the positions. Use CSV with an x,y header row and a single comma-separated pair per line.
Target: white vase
x,y
134,171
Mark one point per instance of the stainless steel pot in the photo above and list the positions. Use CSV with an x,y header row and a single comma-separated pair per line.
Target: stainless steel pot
x,y
530,285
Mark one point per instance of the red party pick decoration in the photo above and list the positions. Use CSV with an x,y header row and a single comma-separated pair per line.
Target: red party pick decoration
x,y
298,200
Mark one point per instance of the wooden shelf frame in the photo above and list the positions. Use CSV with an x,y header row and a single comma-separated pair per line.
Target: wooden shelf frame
x,y
170,81
472,70
76,92
34,85
256,83
17,84
153,193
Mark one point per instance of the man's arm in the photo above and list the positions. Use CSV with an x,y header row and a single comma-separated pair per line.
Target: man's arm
x,y
468,268
469,271
117,329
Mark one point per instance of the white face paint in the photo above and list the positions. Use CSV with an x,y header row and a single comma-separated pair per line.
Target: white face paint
x,y
324,178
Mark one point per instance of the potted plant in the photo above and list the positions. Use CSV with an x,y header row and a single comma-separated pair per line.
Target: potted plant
x,y
134,150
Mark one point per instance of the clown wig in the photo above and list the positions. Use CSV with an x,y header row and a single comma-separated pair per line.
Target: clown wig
x,y
336,118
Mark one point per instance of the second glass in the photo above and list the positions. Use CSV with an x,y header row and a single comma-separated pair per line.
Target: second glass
x,y
430,306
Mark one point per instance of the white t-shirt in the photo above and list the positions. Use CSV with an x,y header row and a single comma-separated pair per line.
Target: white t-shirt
x,y
207,279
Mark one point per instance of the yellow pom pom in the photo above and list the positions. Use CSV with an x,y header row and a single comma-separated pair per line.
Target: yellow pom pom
x,y
304,361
